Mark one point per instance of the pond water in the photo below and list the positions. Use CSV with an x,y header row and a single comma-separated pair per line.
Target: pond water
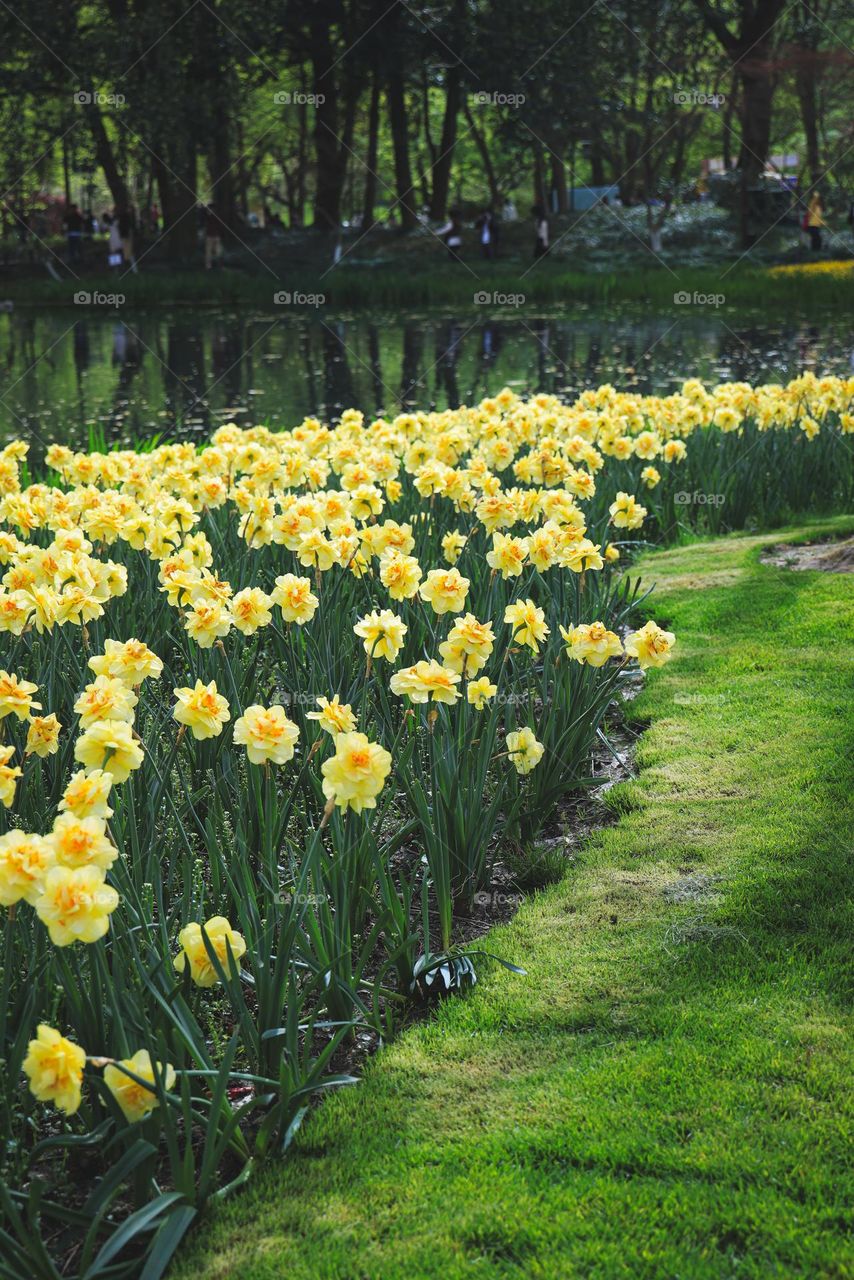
x,y
126,375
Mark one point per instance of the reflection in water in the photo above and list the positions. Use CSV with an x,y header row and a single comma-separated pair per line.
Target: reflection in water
x,y
338,380
184,379
186,372
410,383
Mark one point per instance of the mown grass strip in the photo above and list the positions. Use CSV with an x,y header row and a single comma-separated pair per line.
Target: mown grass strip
x,y
428,282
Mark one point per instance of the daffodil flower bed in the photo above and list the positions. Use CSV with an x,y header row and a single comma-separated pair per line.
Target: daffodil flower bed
x,y
270,709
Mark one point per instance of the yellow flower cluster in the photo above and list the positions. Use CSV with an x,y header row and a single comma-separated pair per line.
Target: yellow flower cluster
x,y
323,494
54,1066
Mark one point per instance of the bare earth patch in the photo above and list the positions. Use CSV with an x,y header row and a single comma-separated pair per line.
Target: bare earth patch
x,y
829,557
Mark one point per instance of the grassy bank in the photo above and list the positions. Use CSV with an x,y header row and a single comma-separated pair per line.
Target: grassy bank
x,y
434,282
664,1093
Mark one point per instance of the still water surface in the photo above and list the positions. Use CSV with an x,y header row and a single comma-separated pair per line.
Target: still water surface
x,y
130,374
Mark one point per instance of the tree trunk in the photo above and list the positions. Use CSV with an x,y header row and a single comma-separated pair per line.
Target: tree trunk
x,y
442,164
66,171
106,159
370,195
539,177
757,93
329,175
558,182
730,109
597,165
223,194
805,84
485,158
750,50
396,100
178,201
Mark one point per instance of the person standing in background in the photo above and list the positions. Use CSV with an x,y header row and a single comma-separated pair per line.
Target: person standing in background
x,y
73,222
125,222
115,255
452,233
486,233
541,231
815,221
213,238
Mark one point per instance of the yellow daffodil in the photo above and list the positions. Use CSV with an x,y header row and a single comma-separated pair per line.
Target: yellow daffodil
x,y
355,775
16,696
222,940
130,661
445,590
250,610
400,575
110,745
468,645
267,734
479,692
25,860
43,736
201,709
382,633
524,749
528,622
135,1099
294,597
9,775
54,1068
626,512
81,842
650,645
75,904
591,643
334,716
87,794
106,698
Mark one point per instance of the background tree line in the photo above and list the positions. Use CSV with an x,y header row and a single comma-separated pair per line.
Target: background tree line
x,y
328,111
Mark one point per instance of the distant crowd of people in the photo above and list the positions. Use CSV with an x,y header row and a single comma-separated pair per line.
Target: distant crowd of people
x,y
487,228
123,228
120,225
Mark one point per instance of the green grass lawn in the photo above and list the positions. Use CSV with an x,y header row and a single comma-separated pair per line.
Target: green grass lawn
x,y
668,1092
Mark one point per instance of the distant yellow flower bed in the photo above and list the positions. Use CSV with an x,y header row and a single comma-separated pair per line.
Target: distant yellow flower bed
x,y
836,270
